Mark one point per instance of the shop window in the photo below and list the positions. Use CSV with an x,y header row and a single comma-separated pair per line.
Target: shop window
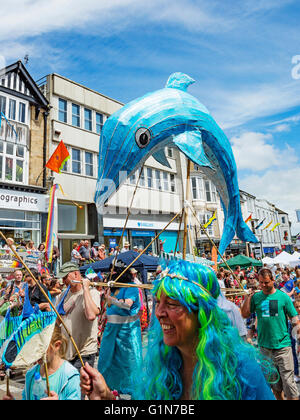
x,y
71,219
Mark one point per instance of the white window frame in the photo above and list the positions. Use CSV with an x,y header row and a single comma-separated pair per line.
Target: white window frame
x,y
24,159
89,164
76,115
65,112
85,120
73,161
198,189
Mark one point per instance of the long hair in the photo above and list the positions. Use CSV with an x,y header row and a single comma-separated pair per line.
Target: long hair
x,y
219,352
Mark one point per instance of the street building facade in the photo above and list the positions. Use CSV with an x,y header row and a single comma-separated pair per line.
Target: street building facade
x,y
23,138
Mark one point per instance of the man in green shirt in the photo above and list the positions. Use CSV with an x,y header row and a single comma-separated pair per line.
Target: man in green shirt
x,y
273,308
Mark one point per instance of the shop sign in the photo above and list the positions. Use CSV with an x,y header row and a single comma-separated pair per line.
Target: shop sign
x,y
19,200
143,233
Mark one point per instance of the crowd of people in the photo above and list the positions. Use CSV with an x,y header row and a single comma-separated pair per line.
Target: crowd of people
x,y
83,252
224,335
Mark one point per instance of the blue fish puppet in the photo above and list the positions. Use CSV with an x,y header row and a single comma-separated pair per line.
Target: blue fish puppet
x,y
27,337
164,118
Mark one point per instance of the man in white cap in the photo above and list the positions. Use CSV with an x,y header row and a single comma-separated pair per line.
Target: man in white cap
x,y
135,248
134,276
125,247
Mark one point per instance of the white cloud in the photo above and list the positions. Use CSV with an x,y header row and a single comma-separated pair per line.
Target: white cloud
x,y
281,128
256,152
272,173
233,108
28,18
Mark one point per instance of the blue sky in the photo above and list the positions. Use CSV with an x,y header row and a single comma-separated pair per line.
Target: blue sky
x,y
242,54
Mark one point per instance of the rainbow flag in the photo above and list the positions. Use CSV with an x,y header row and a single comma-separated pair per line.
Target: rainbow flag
x,y
49,232
16,264
248,218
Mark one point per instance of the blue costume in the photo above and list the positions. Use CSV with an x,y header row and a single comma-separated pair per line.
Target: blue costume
x,y
121,346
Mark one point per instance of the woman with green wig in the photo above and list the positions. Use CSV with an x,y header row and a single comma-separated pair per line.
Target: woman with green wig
x,y
192,350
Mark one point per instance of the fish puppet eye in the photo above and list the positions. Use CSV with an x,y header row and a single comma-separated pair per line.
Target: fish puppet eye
x,y
142,137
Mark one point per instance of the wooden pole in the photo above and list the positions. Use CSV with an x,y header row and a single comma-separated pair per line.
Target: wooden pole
x,y
178,233
124,227
7,382
47,376
187,193
45,295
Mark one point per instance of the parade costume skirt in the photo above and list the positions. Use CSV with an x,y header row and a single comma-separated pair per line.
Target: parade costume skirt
x,y
121,355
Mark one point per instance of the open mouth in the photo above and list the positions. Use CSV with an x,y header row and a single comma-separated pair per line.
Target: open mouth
x,y
167,328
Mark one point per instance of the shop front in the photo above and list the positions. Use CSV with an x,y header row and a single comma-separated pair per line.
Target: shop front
x,y
112,237
23,214
141,232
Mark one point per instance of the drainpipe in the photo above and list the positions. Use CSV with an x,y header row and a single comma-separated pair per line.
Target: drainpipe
x,y
46,113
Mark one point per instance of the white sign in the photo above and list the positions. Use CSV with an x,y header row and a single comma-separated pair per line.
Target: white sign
x,y
19,200
138,224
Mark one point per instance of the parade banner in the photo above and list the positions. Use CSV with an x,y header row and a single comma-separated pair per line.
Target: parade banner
x,y
33,259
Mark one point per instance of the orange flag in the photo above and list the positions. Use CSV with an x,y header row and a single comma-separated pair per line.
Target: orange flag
x,y
214,258
58,159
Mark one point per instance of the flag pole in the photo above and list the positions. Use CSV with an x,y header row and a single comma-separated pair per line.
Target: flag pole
x,y
45,295
36,181
187,192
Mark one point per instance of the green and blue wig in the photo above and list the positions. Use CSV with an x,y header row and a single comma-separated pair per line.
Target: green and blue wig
x,y
223,357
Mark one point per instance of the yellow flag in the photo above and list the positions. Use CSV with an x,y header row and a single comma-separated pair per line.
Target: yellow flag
x,y
210,220
268,225
274,227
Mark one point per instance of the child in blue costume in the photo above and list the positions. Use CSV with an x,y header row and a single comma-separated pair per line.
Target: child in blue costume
x,y
121,345
64,379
